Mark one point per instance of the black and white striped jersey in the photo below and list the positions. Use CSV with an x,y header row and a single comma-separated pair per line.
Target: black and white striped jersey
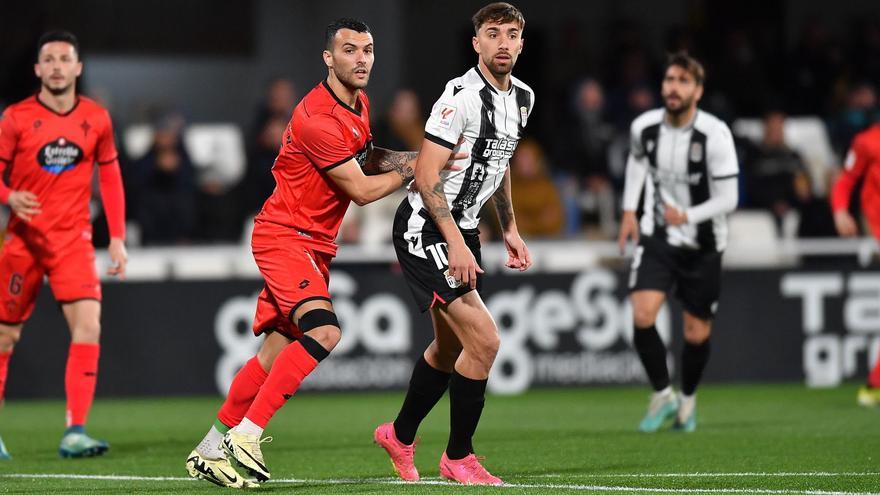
x,y
693,168
491,122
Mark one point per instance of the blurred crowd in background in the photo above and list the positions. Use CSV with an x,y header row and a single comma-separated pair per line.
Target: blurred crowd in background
x,y
793,112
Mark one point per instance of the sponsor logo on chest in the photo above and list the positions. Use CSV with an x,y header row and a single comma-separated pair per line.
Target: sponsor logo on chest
x,y
495,149
59,156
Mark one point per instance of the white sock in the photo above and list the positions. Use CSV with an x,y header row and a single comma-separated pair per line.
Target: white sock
x,y
248,427
210,447
665,392
686,407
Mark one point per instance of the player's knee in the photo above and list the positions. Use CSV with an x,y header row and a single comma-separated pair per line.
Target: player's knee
x,y
327,336
441,358
486,348
696,332
322,326
86,332
8,339
644,317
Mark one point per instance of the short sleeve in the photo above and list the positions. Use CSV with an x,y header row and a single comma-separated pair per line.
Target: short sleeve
x,y
8,136
721,154
323,142
635,142
106,152
448,118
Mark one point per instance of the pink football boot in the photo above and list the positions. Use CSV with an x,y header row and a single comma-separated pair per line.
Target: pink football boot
x,y
400,453
467,471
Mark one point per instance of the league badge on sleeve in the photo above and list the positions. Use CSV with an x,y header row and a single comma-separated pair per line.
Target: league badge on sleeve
x,y
446,114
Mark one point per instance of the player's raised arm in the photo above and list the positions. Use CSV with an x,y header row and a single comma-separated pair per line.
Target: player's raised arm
x,y
517,253
432,158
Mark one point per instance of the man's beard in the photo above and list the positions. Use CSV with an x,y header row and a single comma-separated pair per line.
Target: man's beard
x,y
499,71
58,91
351,82
683,107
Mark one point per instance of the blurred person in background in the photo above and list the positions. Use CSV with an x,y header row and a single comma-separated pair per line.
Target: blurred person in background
x,y
164,187
277,103
537,205
50,145
854,117
688,158
583,145
403,126
862,164
258,182
776,179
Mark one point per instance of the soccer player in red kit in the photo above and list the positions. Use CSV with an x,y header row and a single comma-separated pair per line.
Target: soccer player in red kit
x,y
326,161
862,161
50,144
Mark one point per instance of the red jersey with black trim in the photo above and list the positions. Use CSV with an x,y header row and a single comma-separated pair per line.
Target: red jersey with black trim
x,y
323,133
53,155
862,161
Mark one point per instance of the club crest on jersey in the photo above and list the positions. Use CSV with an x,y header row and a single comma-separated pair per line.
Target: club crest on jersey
x,y
696,152
523,115
446,114
59,156
649,146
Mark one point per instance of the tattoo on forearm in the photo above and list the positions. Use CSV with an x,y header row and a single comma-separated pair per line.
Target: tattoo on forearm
x,y
381,160
435,202
503,204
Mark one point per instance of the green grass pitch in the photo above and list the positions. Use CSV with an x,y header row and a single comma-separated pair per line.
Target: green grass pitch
x,y
751,439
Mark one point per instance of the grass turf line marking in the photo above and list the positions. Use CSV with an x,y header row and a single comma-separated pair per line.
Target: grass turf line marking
x,y
699,475
391,481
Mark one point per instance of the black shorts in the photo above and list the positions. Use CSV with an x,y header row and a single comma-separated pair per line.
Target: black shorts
x,y
695,275
423,259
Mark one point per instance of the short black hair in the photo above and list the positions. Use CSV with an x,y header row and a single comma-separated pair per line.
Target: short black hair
x,y
689,64
498,12
343,23
64,36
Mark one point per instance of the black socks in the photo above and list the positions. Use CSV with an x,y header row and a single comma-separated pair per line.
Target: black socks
x,y
467,398
426,387
652,352
693,361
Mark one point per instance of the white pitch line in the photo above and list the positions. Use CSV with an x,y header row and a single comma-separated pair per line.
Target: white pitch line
x,y
391,481
700,475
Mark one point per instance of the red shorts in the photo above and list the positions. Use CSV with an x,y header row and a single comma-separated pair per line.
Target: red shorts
x,y
71,271
293,273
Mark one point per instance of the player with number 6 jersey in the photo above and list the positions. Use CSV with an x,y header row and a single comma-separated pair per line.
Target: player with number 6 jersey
x,y
50,145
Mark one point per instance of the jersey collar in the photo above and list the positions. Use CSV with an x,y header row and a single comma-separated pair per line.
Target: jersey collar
x,y
60,114
686,127
342,103
490,86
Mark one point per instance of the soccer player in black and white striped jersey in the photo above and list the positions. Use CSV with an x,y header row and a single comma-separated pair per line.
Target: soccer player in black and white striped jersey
x,y
689,159
436,239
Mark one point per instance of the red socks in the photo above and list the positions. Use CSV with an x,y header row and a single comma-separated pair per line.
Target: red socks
x,y
873,377
79,381
290,368
4,367
244,388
